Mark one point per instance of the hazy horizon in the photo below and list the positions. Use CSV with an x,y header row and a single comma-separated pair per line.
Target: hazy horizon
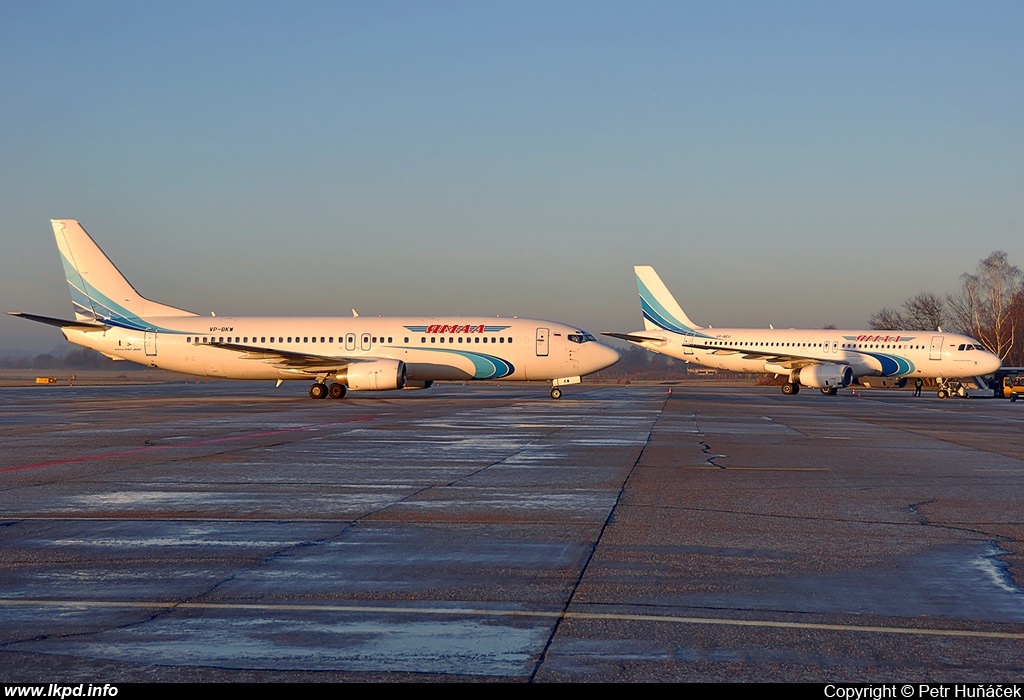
x,y
795,164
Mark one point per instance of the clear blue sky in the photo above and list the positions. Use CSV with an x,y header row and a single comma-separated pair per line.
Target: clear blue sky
x,y
788,163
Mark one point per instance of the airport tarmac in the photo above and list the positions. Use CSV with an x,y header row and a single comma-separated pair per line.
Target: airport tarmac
x,y
233,531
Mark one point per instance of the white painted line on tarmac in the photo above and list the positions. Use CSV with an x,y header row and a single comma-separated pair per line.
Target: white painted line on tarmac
x,y
497,612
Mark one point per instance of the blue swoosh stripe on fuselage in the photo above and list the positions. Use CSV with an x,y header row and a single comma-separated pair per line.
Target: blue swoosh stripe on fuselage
x,y
484,366
892,365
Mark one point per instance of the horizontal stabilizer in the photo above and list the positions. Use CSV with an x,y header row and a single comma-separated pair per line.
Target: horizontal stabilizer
x,y
634,338
61,322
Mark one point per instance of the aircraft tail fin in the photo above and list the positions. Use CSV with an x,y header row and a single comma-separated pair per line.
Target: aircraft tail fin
x,y
661,310
99,292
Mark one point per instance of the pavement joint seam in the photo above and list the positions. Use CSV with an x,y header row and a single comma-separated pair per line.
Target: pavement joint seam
x,y
593,549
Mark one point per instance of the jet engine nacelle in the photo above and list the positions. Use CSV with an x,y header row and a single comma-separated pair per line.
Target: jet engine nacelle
x,y
379,375
822,376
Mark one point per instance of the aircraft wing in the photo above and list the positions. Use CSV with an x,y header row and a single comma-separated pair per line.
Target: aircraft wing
x,y
787,360
285,359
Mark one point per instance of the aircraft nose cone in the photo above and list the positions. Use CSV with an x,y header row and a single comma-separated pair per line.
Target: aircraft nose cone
x,y
992,363
604,356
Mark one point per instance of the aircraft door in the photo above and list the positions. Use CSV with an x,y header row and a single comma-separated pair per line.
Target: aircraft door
x,y
688,344
150,343
935,351
364,342
543,342
350,341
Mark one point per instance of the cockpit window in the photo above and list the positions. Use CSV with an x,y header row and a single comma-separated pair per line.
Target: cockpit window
x,y
581,337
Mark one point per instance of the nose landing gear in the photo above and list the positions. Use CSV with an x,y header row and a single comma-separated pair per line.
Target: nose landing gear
x,y
950,388
556,393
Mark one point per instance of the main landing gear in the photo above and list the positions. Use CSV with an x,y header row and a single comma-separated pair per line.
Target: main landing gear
x,y
320,390
829,390
790,388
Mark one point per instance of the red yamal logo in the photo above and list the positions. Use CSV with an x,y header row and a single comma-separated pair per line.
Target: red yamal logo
x,y
437,328
879,338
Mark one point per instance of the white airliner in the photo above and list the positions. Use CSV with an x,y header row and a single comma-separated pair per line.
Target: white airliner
x,y
824,359
358,353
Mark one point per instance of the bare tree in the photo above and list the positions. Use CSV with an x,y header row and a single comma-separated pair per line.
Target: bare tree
x,y
988,305
886,320
925,312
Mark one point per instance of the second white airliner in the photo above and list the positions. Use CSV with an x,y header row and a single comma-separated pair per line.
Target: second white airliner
x,y
823,359
337,354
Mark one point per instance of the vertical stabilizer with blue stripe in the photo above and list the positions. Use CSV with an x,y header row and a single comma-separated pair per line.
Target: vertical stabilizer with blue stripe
x,y
661,311
99,291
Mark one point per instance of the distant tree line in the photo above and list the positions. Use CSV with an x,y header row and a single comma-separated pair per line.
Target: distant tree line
x,y
638,364
83,358
989,306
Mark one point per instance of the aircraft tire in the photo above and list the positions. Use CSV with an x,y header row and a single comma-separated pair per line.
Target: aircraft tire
x,y
317,391
556,393
829,390
789,388
943,394
336,391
